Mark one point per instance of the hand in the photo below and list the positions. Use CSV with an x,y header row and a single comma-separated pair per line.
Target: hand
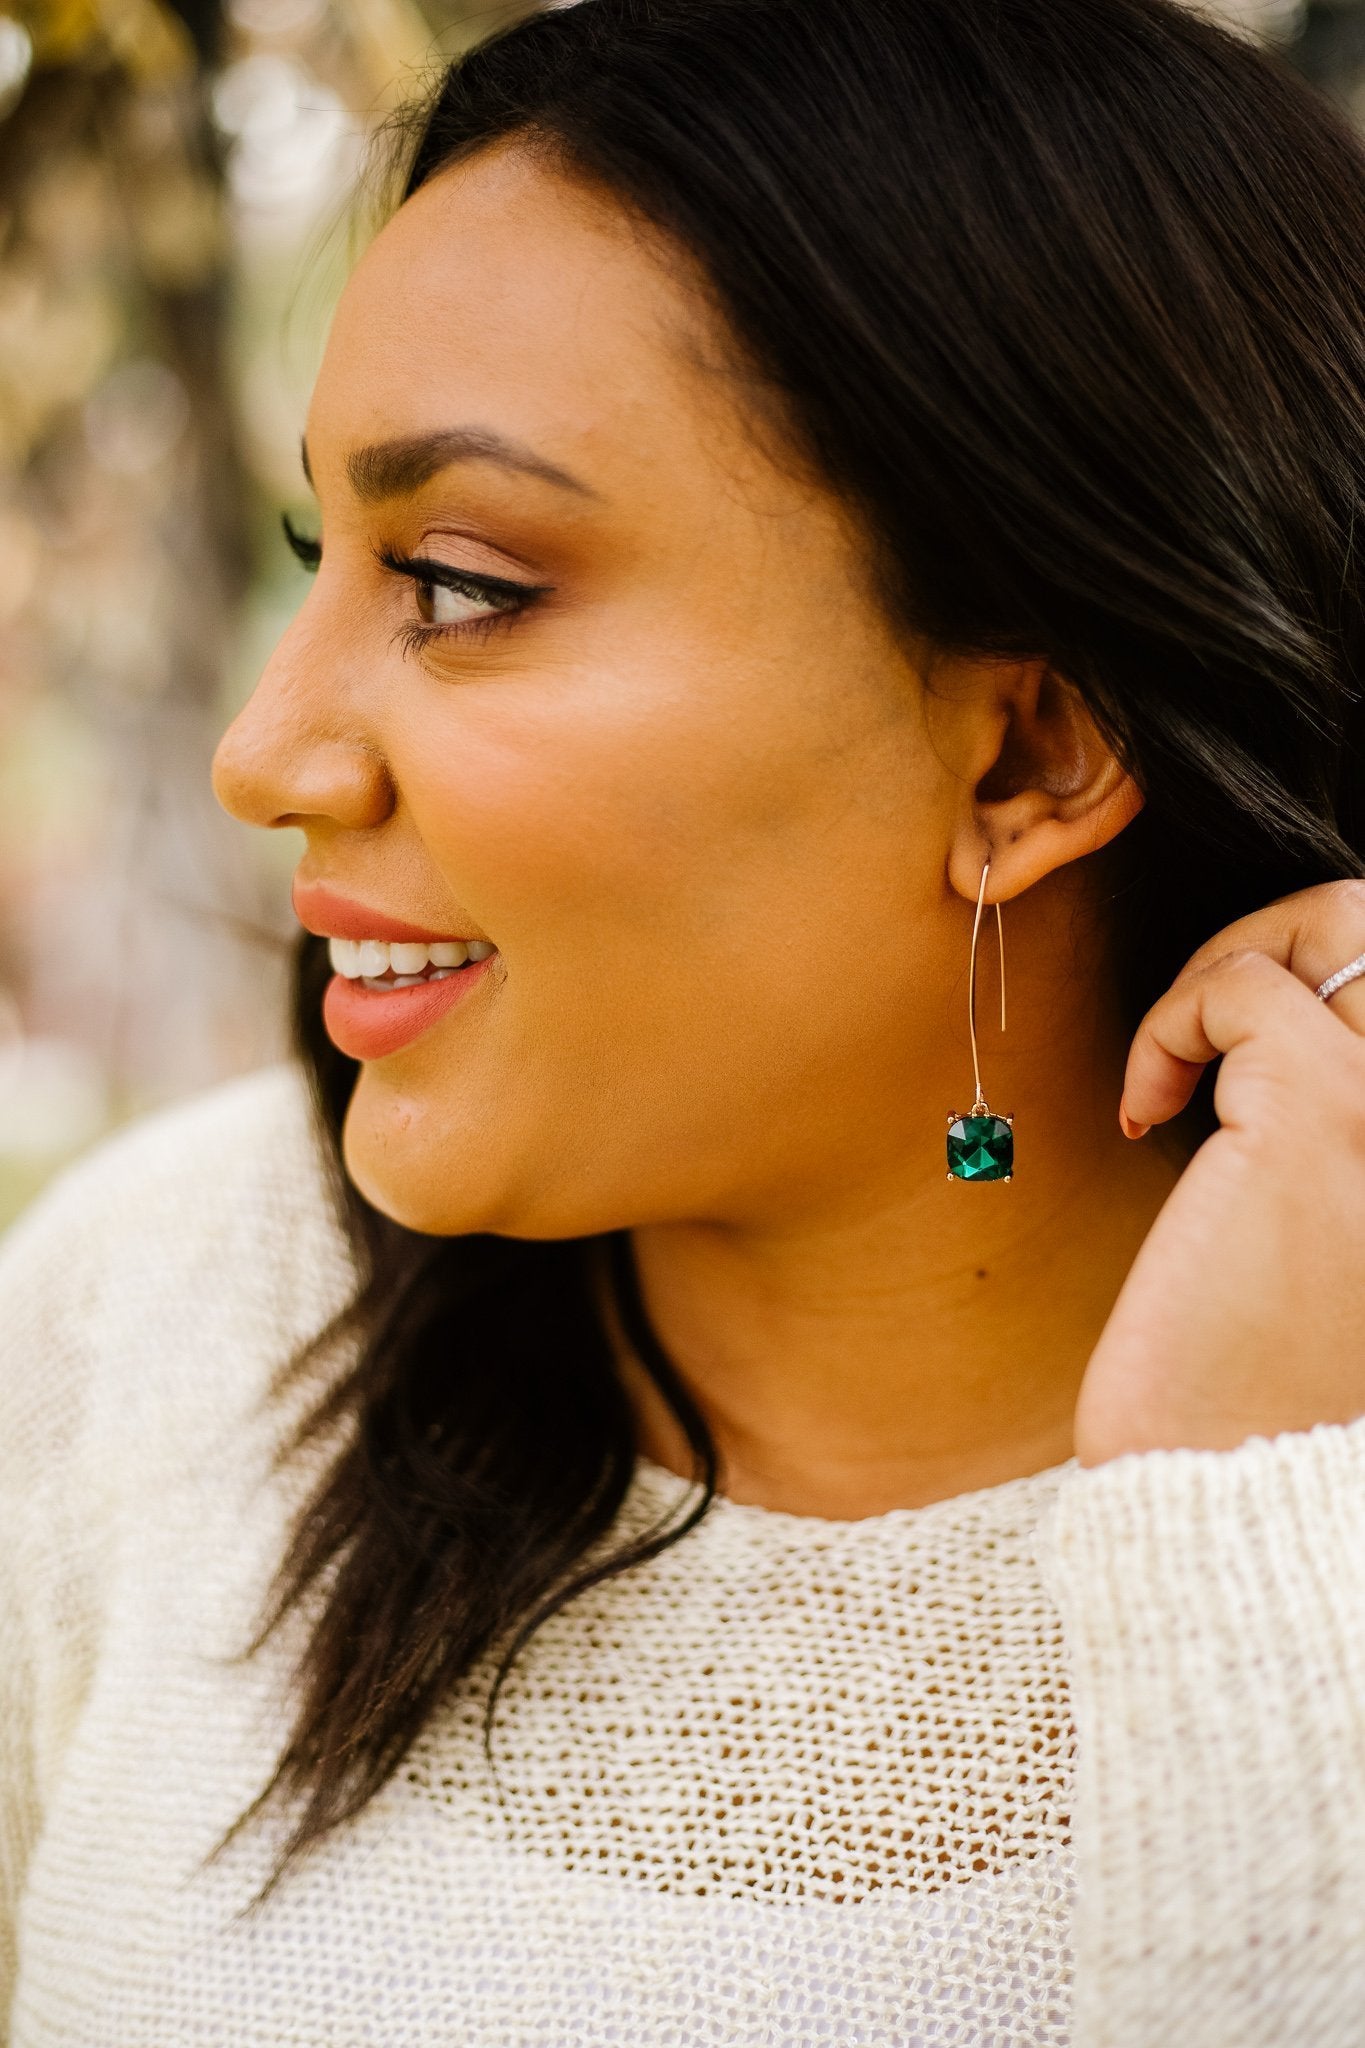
x,y
1244,1312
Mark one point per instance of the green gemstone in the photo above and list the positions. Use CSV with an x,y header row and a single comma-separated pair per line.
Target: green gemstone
x,y
980,1148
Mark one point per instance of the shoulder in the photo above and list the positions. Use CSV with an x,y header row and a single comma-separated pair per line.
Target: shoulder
x,y
155,1281
194,1156
239,1163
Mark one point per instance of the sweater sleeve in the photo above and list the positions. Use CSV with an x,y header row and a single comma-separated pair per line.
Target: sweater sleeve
x,y
1214,1605
203,1231
18,1794
47,1629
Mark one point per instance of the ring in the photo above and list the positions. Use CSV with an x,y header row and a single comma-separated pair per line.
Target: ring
x,y
1352,971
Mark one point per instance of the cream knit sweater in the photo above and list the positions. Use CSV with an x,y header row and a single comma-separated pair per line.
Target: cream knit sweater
x,y
1076,1759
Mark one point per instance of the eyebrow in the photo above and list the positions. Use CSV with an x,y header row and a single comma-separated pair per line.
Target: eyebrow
x,y
393,469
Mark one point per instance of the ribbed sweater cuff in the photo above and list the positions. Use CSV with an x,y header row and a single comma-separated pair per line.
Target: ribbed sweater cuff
x,y
1214,1605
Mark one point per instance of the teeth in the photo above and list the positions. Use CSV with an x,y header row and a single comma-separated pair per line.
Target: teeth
x,y
369,960
407,959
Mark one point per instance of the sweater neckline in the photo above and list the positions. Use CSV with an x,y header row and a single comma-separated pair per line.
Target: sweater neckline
x,y
1006,1496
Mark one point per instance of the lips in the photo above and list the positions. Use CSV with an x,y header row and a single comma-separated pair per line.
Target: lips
x,y
370,1023
329,916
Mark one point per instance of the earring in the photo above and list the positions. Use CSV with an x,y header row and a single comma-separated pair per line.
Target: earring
x,y
981,1144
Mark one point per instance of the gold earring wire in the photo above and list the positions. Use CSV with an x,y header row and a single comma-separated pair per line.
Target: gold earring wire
x,y
981,1144
980,1103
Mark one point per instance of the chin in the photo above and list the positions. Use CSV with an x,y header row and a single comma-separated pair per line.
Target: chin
x,y
394,1195
398,1157
428,1169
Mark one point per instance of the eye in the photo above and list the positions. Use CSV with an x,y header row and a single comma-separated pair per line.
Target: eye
x,y
451,600
455,596
308,551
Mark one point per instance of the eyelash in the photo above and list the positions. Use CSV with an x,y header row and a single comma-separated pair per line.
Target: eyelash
x,y
422,571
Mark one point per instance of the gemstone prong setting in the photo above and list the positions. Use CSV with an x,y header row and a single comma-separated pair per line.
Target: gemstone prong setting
x,y
980,1145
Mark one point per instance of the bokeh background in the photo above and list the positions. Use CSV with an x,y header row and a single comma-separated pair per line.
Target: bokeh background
x,y
182,191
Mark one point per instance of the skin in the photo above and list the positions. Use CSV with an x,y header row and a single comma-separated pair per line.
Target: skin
x,y
726,827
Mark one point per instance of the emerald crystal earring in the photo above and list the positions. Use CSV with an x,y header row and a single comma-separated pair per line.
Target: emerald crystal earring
x,y
981,1144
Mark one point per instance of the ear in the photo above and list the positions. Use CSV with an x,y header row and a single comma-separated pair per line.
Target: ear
x,y
1041,787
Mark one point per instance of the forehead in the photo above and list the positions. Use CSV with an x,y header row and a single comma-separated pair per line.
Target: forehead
x,y
504,292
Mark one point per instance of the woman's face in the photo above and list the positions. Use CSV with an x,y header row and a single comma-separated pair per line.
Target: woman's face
x,y
683,784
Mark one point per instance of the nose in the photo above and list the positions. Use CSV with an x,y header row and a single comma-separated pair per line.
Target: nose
x,y
298,751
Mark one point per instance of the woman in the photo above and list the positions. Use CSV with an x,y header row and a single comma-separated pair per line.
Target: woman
x,y
678,1561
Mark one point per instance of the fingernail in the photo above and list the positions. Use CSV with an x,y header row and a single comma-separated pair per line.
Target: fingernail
x,y
1129,1128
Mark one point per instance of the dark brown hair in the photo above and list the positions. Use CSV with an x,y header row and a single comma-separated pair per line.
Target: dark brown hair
x,y
1065,297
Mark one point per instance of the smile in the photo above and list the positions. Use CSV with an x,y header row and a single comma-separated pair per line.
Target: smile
x,y
384,993
382,965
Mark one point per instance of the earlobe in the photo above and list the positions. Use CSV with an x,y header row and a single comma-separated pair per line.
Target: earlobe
x,y
1026,840
1053,792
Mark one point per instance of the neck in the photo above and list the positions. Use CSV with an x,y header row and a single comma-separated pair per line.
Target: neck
x,y
909,1342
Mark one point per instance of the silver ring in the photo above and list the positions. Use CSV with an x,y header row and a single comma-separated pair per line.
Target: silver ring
x,y
1352,971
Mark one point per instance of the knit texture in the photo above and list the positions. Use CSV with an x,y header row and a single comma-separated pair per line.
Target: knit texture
x,y
1078,1759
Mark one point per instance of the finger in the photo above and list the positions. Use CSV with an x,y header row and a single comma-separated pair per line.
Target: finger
x,y
1210,1011
1312,933
1347,1004
1328,930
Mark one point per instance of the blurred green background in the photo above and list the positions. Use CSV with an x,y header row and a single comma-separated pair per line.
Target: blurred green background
x,y
181,195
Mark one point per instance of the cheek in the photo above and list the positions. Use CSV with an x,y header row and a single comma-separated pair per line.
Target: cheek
x,y
692,889
612,805
600,835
